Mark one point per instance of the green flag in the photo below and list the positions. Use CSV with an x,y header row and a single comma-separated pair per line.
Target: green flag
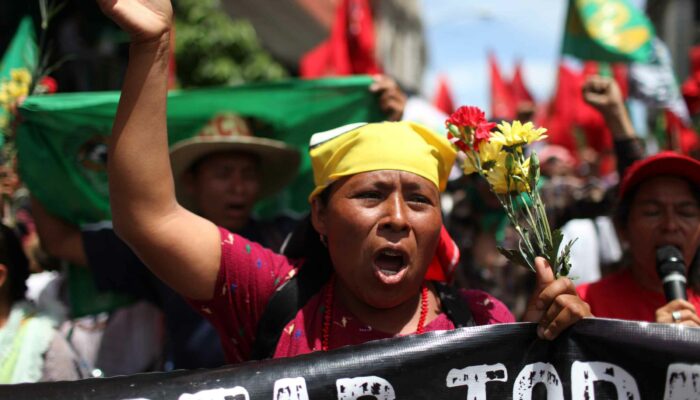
x,y
16,68
63,153
608,31
62,139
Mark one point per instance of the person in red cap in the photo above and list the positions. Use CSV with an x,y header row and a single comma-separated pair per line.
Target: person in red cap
x,y
658,205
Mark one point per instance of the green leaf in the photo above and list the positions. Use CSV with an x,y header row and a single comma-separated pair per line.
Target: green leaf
x,y
455,131
557,237
514,256
534,172
564,263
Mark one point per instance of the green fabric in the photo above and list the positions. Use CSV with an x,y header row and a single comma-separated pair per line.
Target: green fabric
x,y
21,53
62,146
62,150
607,30
85,299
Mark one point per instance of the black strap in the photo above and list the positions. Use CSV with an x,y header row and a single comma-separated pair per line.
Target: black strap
x,y
454,306
284,305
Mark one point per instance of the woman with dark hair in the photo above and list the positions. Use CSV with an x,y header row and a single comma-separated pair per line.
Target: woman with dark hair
x,y
31,349
375,210
659,205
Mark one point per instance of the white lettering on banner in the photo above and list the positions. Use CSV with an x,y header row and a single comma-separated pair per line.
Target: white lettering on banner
x,y
682,382
354,388
584,374
536,373
476,377
290,389
236,393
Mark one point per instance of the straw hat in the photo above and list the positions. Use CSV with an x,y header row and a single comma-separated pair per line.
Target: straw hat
x,y
229,132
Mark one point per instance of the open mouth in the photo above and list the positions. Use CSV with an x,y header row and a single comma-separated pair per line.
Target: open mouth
x,y
391,262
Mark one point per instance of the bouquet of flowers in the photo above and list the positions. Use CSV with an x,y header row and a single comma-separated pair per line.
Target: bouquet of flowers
x,y
499,157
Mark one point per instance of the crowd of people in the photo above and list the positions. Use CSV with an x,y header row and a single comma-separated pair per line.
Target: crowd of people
x,y
203,272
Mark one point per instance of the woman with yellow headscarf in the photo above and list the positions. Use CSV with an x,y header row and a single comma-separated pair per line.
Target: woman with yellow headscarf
x,y
375,215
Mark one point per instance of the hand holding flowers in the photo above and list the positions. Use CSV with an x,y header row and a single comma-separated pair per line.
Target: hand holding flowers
x,y
513,176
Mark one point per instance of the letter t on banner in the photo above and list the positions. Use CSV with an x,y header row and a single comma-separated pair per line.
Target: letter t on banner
x,y
365,386
476,377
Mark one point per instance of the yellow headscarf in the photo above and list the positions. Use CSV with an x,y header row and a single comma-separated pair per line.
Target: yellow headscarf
x,y
404,146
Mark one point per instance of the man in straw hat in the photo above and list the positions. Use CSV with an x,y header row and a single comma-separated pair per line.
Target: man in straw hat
x,y
218,175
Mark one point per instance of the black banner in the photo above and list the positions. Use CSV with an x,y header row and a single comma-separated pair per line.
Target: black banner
x,y
595,359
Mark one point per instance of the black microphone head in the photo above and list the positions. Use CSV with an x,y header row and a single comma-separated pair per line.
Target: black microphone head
x,y
669,259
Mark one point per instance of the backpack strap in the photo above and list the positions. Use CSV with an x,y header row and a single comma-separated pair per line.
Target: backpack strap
x,y
454,306
284,305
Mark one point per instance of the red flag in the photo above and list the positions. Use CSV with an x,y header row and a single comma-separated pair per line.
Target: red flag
x,y
350,49
443,96
518,88
502,103
680,137
561,114
691,86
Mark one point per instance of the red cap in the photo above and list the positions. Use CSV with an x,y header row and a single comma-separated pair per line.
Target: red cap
x,y
661,164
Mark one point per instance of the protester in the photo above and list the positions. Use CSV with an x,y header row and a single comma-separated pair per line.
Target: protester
x,y
31,349
659,204
375,206
579,203
222,172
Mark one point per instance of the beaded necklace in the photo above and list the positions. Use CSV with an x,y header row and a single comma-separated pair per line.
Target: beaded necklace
x,y
328,311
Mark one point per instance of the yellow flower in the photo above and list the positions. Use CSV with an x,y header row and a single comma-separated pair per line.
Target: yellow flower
x,y
4,95
516,134
21,76
15,90
468,166
498,175
489,151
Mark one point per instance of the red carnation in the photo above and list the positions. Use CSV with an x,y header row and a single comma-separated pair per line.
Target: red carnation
x,y
457,142
467,117
483,131
48,85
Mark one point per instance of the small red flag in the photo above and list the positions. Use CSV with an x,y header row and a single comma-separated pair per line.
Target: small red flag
x,y
443,96
350,49
502,103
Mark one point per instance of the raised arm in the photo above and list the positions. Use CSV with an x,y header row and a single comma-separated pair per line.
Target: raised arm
x,y
604,94
180,247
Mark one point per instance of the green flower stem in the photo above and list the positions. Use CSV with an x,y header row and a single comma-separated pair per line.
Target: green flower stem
x,y
534,224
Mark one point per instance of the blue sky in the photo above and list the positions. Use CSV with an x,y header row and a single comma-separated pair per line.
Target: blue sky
x,y
461,32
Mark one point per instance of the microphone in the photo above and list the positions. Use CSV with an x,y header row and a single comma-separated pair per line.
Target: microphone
x,y
671,269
